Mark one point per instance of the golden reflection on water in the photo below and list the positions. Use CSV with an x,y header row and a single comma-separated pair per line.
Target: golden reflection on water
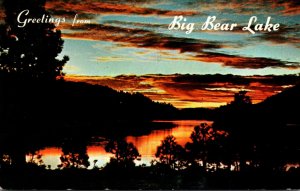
x,y
146,144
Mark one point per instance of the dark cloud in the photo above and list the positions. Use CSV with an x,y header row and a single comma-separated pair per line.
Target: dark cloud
x,y
248,7
238,80
152,26
204,51
69,14
286,35
141,38
245,62
290,7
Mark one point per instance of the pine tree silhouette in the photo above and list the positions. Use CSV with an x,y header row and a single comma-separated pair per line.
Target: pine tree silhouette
x,y
30,51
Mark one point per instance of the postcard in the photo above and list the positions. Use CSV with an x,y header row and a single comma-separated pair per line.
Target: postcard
x,y
149,94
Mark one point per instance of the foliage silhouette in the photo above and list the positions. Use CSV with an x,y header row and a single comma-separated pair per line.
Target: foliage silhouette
x,y
35,159
30,52
206,145
236,119
124,153
171,154
241,99
74,154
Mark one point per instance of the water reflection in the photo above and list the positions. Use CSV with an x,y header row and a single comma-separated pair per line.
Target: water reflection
x,y
146,144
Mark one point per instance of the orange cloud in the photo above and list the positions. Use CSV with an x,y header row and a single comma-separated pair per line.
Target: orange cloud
x,y
194,90
99,7
290,7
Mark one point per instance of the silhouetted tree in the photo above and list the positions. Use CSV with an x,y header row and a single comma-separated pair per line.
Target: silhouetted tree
x,y
219,150
237,119
26,53
206,145
198,148
241,99
5,160
94,164
13,147
171,153
74,154
35,159
125,153
30,51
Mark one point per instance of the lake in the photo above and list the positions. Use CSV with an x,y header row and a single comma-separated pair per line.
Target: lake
x,y
146,144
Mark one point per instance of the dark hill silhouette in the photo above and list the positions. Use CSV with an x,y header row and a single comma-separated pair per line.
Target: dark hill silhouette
x,y
283,109
265,132
55,104
279,109
284,105
196,113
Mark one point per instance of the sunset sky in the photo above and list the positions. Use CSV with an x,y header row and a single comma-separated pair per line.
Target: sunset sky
x,y
128,47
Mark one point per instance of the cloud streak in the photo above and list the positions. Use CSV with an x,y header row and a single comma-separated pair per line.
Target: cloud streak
x,y
142,38
249,7
241,62
286,35
115,8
